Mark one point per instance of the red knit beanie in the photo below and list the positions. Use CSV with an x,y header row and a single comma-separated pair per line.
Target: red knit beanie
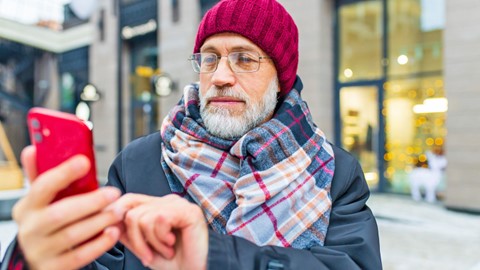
x,y
266,23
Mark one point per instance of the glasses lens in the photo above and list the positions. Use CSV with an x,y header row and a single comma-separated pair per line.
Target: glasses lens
x,y
195,62
244,61
208,62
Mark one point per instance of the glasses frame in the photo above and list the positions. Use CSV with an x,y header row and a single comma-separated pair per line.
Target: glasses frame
x,y
197,68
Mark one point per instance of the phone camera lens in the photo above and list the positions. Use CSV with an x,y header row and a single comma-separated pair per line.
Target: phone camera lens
x,y
38,137
35,123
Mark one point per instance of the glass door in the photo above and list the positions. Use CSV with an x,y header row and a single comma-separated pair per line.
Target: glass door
x,y
144,108
359,128
360,74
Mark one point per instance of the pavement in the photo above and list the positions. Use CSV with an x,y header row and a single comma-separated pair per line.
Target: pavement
x,y
413,235
420,235
8,229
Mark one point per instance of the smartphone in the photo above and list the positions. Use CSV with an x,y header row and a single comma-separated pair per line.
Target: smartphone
x,y
58,136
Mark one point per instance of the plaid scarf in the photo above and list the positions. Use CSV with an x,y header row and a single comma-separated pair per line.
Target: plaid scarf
x,y
271,186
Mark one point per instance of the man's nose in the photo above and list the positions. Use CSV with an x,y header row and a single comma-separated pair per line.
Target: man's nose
x,y
224,75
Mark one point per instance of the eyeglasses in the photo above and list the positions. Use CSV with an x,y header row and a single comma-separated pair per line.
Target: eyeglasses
x,y
240,62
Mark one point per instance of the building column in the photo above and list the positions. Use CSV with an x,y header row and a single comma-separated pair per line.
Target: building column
x,y
462,82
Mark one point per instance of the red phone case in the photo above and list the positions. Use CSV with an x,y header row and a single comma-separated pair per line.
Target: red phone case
x,y
58,136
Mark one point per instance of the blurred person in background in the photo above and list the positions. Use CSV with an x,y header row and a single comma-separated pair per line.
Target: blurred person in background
x,y
239,176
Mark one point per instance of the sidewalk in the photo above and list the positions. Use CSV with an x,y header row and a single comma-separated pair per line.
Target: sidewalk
x,y
413,235
8,230
418,235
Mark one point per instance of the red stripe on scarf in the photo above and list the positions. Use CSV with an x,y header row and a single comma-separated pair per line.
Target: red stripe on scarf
x,y
297,120
273,138
219,164
259,180
188,183
285,129
271,216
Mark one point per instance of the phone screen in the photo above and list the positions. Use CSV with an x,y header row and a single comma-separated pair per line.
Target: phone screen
x,y
58,136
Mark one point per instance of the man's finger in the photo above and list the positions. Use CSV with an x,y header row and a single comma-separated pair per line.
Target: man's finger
x,y
136,238
163,231
60,213
48,184
159,236
28,158
130,201
85,254
83,231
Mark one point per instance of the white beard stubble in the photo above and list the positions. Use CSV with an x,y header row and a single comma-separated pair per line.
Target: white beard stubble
x,y
224,123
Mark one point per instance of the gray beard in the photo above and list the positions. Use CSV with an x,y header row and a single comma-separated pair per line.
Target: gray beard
x,y
222,123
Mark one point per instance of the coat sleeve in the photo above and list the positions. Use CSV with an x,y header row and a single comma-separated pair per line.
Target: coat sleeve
x,y
351,241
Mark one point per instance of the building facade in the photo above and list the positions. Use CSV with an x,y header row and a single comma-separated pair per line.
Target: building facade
x,y
389,80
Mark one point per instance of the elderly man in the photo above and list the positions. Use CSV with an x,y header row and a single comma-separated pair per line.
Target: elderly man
x,y
239,177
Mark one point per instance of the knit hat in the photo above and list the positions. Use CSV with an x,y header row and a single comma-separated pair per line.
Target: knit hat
x,y
266,23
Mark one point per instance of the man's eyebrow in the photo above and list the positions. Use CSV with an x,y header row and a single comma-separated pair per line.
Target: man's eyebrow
x,y
244,48
211,48
208,48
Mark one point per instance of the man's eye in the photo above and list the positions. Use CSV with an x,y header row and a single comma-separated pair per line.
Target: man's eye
x,y
209,60
245,58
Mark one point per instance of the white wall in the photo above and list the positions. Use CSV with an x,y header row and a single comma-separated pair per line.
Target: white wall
x,y
462,82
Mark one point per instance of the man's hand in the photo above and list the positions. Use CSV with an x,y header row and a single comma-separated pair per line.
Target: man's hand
x,y
68,233
165,232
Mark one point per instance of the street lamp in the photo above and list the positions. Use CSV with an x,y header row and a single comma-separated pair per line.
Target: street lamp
x,y
89,94
163,85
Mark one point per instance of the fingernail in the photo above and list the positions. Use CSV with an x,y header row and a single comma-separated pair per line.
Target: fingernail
x,y
80,163
111,193
112,232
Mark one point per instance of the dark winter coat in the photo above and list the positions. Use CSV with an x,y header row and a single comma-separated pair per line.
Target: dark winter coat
x,y
351,241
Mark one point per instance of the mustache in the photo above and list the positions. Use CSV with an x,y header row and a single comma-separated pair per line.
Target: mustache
x,y
216,91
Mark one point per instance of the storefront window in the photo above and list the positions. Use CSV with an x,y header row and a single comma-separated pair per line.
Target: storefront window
x,y
415,103
360,51
415,36
73,67
17,73
415,112
360,127
404,122
67,92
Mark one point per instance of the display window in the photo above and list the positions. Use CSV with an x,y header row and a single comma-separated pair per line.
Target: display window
x,y
391,105
415,113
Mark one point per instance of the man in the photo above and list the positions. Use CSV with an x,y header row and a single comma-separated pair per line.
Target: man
x,y
239,177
